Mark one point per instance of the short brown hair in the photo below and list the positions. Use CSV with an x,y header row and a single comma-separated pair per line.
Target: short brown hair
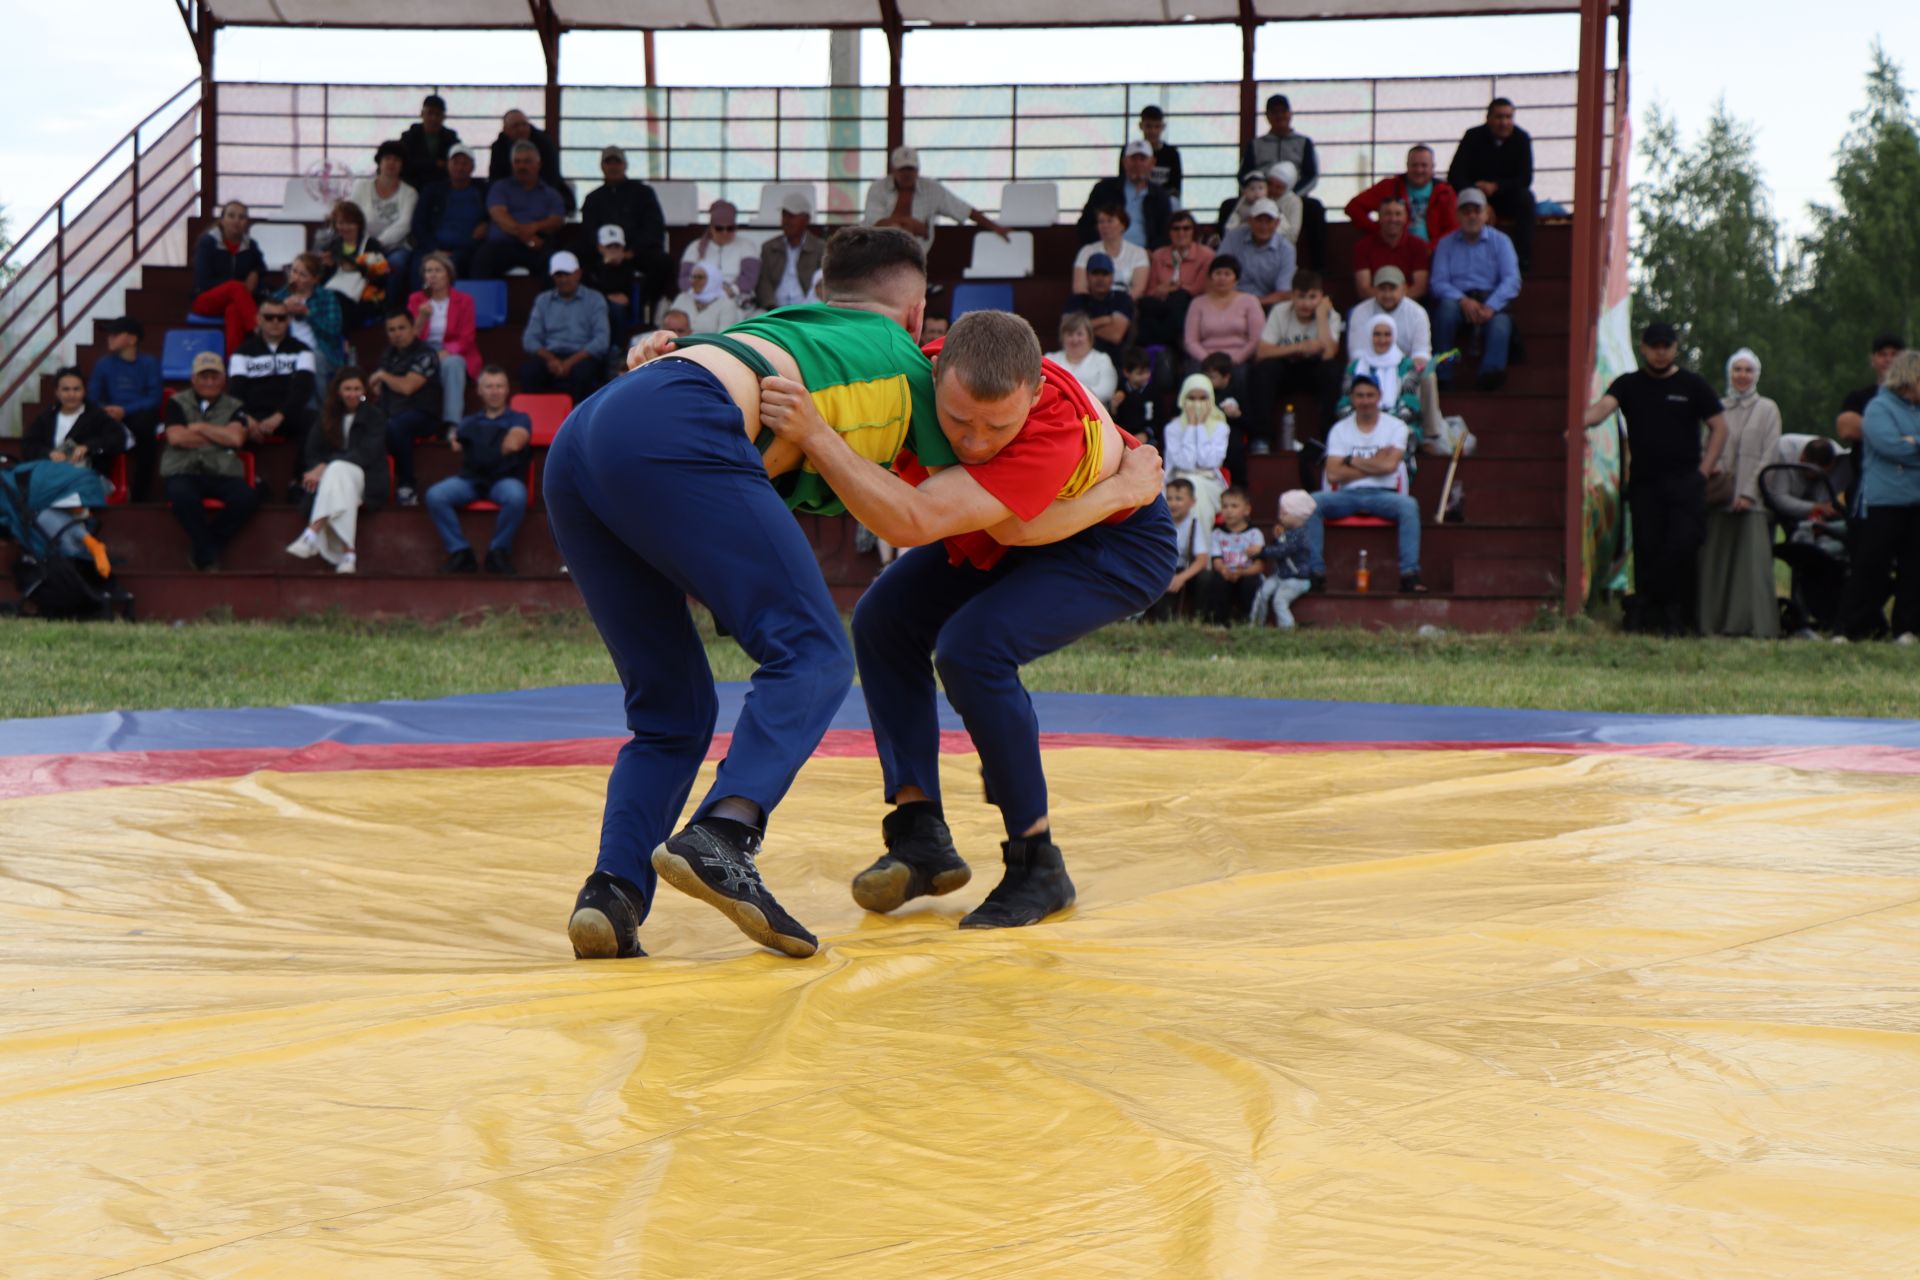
x,y
862,259
1306,280
1115,211
351,212
995,353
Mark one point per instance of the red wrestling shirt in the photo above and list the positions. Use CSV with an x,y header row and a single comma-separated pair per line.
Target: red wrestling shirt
x,y
1054,455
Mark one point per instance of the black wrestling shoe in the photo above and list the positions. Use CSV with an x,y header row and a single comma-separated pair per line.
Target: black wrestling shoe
x,y
708,862
605,924
1033,888
920,860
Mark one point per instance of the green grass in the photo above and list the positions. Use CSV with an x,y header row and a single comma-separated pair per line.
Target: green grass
x,y
58,668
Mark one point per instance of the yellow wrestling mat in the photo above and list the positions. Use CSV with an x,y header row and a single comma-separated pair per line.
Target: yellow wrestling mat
x,y
1330,1014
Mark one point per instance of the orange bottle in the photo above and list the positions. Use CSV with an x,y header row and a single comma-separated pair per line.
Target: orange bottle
x,y
1362,579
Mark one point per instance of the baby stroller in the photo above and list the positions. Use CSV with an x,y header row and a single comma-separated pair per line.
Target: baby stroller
x,y
1815,553
56,572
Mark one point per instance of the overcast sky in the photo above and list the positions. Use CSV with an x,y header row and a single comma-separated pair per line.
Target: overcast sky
x,y
100,65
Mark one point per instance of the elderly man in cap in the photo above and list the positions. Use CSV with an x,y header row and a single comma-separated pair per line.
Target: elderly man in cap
x,y
567,336
1149,207
1166,157
205,430
906,200
1476,277
789,260
632,206
1667,471
1266,257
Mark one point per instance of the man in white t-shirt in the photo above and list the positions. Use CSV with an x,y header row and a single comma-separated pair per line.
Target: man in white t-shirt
x,y
1192,586
1366,475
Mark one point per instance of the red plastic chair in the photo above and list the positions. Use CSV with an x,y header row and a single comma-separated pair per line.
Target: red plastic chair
x,y
533,487
117,476
246,463
546,412
1363,522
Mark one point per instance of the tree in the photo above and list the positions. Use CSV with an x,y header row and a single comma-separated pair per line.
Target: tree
x,y
1859,273
1708,253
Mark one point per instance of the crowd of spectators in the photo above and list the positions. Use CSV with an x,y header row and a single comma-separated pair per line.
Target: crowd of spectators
x,y
1207,337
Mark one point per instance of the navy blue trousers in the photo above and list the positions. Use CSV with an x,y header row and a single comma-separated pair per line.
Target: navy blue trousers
x,y
656,494
978,628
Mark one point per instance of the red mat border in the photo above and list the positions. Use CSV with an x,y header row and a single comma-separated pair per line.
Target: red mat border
x,y
52,774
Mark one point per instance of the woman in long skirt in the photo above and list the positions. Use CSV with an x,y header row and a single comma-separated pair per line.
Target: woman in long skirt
x,y
344,467
1737,594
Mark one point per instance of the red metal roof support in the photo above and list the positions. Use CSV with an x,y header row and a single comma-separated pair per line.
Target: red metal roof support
x,y
201,25
1249,90
548,25
896,29
1589,232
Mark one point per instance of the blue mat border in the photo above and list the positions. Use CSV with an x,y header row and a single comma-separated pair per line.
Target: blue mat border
x,y
594,711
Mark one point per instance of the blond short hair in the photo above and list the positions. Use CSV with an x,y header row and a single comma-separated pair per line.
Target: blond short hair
x,y
1904,371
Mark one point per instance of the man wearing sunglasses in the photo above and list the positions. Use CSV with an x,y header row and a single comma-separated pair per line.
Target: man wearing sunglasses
x,y
272,374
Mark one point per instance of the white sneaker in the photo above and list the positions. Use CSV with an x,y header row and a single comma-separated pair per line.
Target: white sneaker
x,y
1907,637
305,546
349,563
1839,640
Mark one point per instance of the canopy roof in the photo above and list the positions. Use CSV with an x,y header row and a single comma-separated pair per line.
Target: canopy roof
x,y
637,15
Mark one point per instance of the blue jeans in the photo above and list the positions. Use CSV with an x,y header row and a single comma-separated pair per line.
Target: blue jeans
x,y
1447,322
655,494
445,499
1384,503
403,427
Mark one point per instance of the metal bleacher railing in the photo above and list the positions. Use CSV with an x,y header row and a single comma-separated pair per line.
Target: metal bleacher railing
x,y
974,138
64,268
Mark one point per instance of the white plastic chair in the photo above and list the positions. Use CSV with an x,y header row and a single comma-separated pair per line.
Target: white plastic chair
x,y
300,204
279,242
679,202
1029,204
997,259
771,193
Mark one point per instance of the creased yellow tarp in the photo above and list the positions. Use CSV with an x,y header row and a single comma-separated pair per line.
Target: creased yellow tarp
x,y
1353,1014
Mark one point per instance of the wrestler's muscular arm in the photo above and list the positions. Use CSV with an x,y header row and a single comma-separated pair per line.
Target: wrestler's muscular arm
x,y
949,503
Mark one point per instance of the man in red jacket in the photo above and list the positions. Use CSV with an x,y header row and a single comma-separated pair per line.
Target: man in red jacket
x,y
1430,200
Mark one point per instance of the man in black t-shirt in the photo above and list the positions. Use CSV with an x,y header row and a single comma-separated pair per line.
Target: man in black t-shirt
x,y
1664,406
407,387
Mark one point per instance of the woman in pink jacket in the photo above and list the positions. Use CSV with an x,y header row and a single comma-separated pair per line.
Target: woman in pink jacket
x,y
445,317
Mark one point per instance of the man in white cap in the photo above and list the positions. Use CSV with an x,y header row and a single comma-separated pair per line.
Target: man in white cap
x,y
566,337
906,200
789,260
451,215
1149,207
1265,256
614,272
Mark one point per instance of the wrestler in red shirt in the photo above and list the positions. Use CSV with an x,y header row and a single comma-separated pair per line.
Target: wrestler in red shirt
x,y
979,606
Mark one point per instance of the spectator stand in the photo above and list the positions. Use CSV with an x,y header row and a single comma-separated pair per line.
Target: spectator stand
x,y
1027,151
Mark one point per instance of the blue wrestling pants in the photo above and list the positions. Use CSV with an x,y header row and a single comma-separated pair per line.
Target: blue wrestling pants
x,y
655,494
978,628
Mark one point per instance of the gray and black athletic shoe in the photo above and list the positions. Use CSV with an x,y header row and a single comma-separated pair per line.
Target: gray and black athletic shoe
x,y
707,862
605,924
920,860
1034,887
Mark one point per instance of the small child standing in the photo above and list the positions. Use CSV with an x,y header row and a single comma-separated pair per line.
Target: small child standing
x,y
1236,560
1289,557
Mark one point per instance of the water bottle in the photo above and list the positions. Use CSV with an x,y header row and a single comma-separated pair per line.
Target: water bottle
x,y
1286,430
1362,579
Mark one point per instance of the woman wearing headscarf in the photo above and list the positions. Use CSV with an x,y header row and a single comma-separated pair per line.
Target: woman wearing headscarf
x,y
705,300
1737,596
1391,371
1196,443
733,263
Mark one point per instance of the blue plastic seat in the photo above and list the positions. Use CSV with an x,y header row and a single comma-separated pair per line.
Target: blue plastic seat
x,y
489,301
182,345
980,297
206,322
